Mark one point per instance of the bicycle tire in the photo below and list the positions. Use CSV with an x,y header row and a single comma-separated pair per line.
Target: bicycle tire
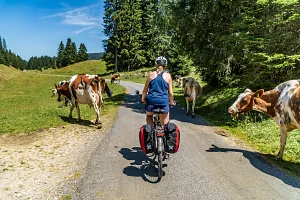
x,y
160,158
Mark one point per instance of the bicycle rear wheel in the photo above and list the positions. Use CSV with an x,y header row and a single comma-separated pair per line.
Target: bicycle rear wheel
x,y
160,158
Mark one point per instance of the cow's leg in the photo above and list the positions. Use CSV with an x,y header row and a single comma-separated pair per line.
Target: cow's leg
x,y
283,136
96,108
187,106
71,108
193,109
78,112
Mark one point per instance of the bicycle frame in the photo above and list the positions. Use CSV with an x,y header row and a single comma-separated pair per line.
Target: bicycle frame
x,y
160,141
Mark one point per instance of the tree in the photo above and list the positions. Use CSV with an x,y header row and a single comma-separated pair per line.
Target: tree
x,y
2,58
111,45
130,27
74,55
149,30
82,53
69,57
60,55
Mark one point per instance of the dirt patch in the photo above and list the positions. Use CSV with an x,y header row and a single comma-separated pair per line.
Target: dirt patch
x,y
44,164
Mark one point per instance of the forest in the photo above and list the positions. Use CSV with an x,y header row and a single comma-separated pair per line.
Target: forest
x,y
66,55
229,42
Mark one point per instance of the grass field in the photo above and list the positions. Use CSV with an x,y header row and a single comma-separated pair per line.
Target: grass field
x,y
26,103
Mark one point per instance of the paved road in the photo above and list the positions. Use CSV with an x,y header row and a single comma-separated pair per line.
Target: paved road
x,y
207,165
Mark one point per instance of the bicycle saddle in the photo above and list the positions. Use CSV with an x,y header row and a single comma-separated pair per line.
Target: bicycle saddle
x,y
158,111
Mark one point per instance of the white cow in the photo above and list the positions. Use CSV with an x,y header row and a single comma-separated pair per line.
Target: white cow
x,y
192,92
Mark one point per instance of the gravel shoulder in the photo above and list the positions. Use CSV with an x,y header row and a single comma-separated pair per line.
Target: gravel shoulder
x,y
46,164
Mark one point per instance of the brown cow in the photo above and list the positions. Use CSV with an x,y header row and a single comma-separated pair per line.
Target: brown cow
x,y
115,77
54,92
192,92
281,104
85,89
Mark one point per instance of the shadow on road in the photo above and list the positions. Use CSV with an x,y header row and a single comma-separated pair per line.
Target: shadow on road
x,y
133,101
142,166
257,160
82,122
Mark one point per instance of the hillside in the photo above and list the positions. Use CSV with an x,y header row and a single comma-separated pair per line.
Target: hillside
x,y
86,67
7,73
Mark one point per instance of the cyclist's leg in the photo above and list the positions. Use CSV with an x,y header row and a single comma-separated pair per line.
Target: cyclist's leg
x,y
149,118
164,118
149,113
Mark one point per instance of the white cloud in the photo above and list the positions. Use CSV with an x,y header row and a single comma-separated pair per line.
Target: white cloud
x,y
64,5
85,17
84,29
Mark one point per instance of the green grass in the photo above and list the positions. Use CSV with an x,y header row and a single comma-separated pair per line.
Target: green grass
x,y
26,103
256,130
86,67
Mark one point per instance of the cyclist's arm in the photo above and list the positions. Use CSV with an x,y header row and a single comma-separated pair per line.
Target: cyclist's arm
x,y
145,90
171,97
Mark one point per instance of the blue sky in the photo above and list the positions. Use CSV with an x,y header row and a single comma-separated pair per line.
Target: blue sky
x,y
36,27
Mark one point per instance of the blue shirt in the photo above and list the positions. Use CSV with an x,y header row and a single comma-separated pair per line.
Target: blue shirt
x,y
158,93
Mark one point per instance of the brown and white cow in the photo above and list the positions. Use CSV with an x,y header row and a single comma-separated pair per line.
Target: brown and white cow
x,y
115,77
281,104
85,89
192,92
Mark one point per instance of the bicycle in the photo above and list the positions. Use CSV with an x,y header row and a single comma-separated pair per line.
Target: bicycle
x,y
159,141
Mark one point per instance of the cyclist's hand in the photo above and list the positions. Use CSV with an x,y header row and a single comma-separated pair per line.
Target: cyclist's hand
x,y
143,102
173,104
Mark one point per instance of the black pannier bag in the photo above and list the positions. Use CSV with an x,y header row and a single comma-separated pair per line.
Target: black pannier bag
x,y
172,134
146,139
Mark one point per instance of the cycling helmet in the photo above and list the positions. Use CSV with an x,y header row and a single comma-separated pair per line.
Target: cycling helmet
x,y
161,61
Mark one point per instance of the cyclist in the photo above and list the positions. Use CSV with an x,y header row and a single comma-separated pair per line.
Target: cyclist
x,y
158,93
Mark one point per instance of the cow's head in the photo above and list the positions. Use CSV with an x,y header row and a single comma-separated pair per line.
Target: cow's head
x,y
245,102
54,91
58,92
105,88
188,87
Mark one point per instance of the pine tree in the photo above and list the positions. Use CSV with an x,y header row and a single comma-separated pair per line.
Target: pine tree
x,y
129,17
149,31
2,59
68,57
111,45
60,55
82,53
74,56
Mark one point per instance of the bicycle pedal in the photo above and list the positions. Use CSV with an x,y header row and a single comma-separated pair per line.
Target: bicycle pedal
x,y
167,156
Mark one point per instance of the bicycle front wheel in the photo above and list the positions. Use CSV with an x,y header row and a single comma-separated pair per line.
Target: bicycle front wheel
x,y
160,158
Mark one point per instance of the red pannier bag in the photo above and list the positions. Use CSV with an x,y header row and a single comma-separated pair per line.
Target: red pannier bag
x,y
172,134
146,139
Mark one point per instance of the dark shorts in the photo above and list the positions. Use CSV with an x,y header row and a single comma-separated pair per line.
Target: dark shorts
x,y
150,108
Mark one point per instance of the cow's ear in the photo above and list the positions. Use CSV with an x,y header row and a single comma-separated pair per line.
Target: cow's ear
x,y
55,86
258,93
248,90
